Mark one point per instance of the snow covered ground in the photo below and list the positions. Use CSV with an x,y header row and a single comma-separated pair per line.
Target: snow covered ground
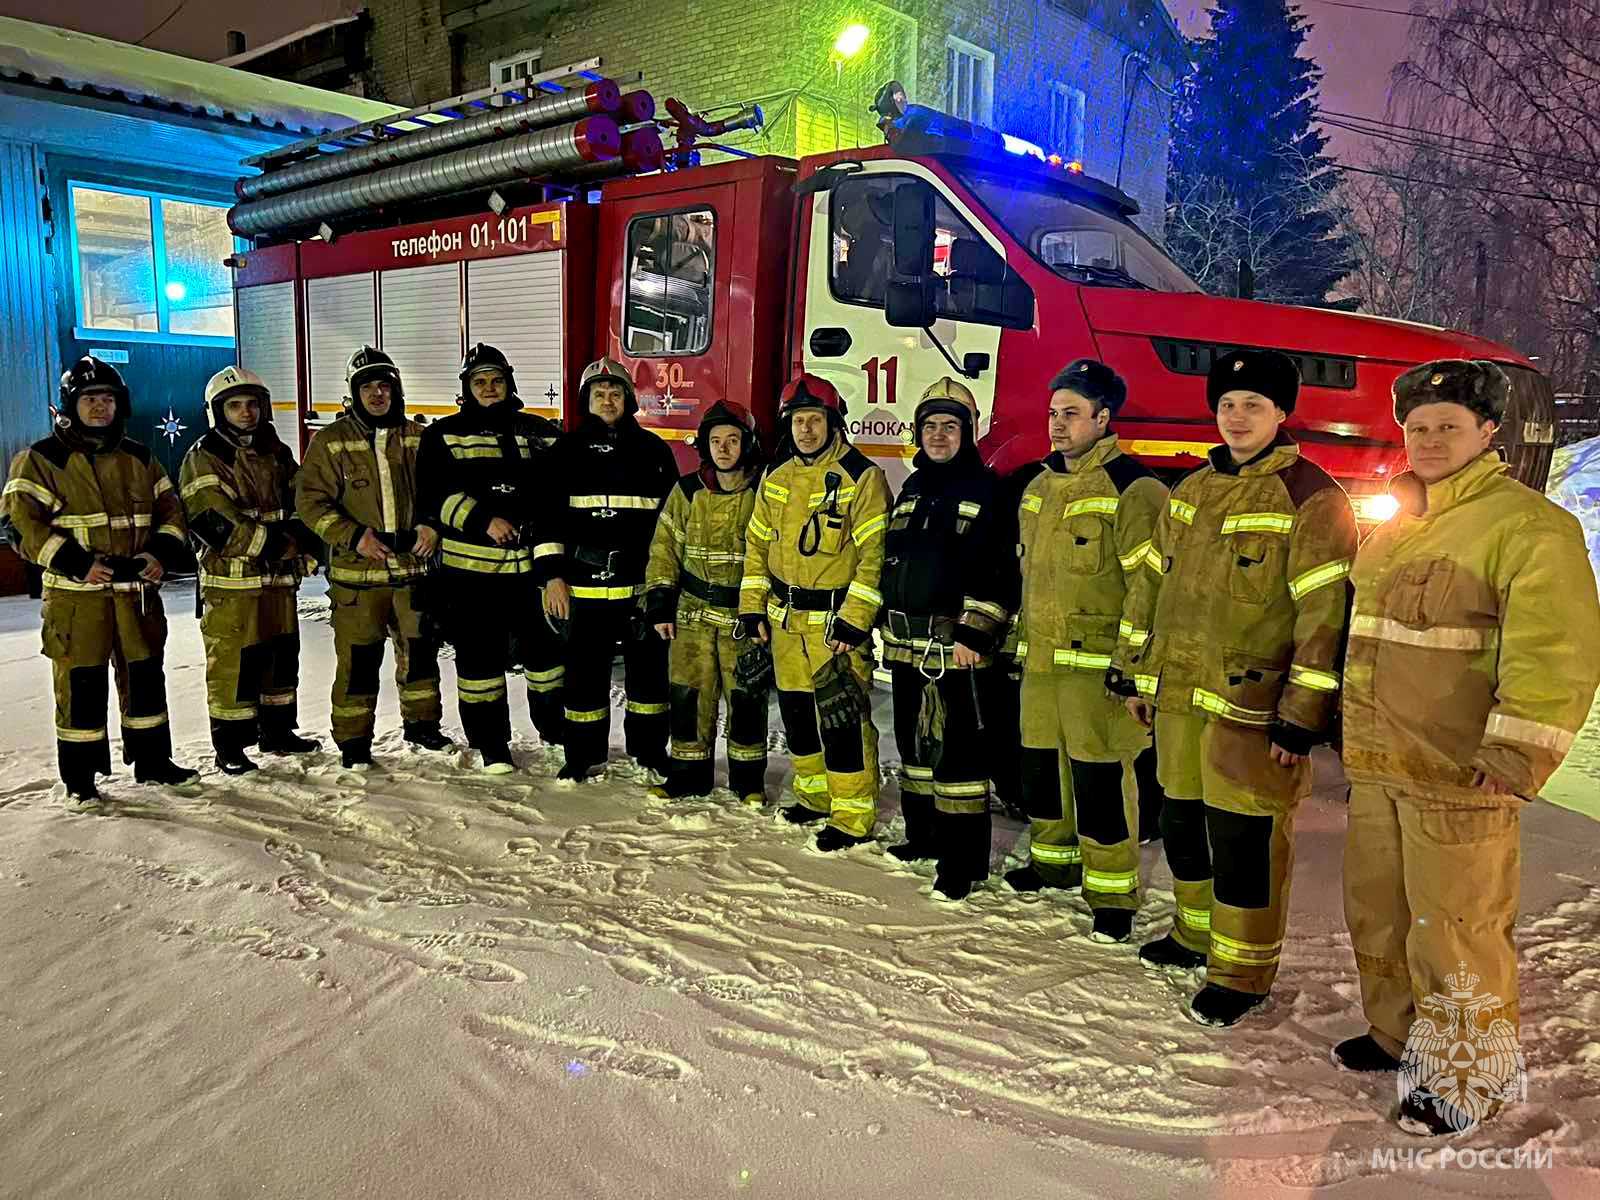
x,y
425,982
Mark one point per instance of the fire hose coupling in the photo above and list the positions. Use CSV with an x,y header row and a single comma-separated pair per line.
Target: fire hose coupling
x,y
597,139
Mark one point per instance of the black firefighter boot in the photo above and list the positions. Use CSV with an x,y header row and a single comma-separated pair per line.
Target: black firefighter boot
x,y
1363,1054
356,754
685,780
278,735
1221,1007
230,738
426,735
82,795
163,770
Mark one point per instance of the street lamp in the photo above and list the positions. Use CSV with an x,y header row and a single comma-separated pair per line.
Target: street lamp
x,y
848,44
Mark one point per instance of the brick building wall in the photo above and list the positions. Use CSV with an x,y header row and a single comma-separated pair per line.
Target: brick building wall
x,y
722,52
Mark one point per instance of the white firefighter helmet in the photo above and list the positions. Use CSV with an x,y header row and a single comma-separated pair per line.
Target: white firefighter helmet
x,y
608,369
230,381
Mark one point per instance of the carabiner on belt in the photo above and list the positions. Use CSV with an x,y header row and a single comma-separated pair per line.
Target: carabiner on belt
x,y
927,653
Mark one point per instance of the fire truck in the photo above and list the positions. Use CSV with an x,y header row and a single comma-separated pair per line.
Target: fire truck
x,y
548,219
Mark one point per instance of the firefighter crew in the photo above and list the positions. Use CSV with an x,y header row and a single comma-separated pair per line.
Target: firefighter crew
x,y
949,588
1471,666
479,474
1231,644
357,490
95,511
692,600
1086,520
810,588
237,486
612,478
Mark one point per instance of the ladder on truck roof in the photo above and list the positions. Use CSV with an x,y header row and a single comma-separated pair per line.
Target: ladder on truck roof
x,y
455,108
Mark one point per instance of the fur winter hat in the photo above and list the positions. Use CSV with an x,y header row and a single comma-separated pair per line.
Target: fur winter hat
x,y
1092,380
1476,384
1269,373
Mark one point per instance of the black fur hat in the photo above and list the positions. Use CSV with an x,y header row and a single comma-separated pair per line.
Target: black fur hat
x,y
1092,380
1472,383
1270,373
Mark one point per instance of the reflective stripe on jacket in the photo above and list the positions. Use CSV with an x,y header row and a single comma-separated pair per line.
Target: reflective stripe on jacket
x,y
950,553
354,479
1475,640
1086,526
701,534
239,501
479,464
810,531
68,505
1240,612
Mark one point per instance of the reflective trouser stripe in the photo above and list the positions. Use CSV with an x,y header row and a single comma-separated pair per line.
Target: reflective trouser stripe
x,y
587,714
690,751
80,735
1056,855
1245,953
1110,881
970,797
481,691
545,681
646,710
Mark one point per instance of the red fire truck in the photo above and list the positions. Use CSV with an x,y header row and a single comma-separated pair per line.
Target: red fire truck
x,y
948,250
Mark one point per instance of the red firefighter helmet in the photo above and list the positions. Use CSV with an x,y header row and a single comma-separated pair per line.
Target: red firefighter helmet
x,y
727,412
806,390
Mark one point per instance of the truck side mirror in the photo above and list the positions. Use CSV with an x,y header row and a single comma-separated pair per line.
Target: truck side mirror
x,y
913,230
909,305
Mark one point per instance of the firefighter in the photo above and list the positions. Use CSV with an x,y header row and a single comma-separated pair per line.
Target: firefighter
x,y
237,487
810,590
1231,642
479,473
612,477
1471,666
1086,520
692,600
949,588
357,491
95,511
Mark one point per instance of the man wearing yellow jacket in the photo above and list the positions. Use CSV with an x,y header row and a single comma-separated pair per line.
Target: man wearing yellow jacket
x,y
811,573
96,512
237,484
1471,666
357,490
1231,643
692,600
1086,521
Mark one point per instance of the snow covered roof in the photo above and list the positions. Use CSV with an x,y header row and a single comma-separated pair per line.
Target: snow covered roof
x,y
78,62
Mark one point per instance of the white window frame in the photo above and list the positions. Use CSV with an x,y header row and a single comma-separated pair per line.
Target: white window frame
x,y
977,104
534,56
158,248
1068,125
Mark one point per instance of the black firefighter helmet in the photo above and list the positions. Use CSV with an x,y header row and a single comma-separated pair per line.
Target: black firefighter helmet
x,y
89,374
484,357
366,365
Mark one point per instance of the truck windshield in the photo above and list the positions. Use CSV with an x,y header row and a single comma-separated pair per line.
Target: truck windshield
x,y
1071,237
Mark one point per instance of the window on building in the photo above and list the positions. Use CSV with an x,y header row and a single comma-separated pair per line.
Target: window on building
x,y
972,282
968,81
1066,121
671,266
151,264
521,65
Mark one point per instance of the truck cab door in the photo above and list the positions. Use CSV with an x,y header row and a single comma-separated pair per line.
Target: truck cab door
x,y
882,369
